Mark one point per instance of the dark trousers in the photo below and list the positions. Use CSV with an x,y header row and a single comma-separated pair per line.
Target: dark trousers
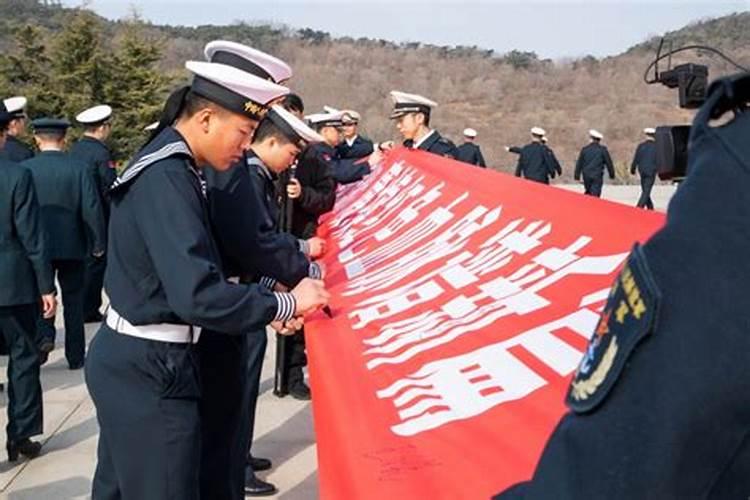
x,y
94,281
593,186
296,359
647,183
256,351
18,330
223,361
146,395
70,274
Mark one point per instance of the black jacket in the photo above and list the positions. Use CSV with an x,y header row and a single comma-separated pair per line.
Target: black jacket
x,y
592,161
70,206
645,159
435,143
469,152
244,212
15,150
535,163
99,158
318,189
25,271
360,148
163,263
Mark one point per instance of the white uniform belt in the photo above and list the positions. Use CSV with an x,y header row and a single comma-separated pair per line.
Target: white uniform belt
x,y
161,332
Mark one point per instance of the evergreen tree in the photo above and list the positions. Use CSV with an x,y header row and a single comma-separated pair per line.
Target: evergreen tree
x,y
137,89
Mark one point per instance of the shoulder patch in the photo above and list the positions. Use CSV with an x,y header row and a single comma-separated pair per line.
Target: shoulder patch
x,y
628,317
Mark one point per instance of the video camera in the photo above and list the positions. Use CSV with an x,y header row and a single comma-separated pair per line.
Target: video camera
x,y
691,80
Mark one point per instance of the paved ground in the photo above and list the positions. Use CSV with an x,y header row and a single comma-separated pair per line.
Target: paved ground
x,y
285,430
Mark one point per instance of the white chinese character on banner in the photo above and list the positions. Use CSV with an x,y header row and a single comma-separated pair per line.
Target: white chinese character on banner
x,y
378,270
519,294
470,384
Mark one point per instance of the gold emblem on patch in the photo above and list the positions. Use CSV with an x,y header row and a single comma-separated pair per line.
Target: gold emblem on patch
x,y
254,108
582,389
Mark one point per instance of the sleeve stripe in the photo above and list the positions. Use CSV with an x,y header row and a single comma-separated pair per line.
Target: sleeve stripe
x,y
286,305
268,282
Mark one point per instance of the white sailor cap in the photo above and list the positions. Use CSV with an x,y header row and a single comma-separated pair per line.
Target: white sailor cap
x,y
596,134
92,116
292,127
325,119
538,131
470,132
151,126
233,89
16,106
649,131
350,116
404,103
248,59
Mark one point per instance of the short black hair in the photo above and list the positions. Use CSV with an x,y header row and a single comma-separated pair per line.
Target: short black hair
x,y
293,102
51,135
268,128
426,119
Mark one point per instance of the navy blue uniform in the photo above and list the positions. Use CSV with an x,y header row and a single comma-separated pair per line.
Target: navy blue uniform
x,y
244,212
360,147
535,163
318,190
668,413
552,159
25,274
344,171
71,213
469,152
318,197
15,150
163,268
435,143
592,161
99,158
644,161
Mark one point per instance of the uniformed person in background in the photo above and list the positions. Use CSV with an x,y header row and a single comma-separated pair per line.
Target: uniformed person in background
x,y
344,171
27,281
659,406
534,161
92,149
644,161
556,167
592,161
469,151
294,104
277,260
15,149
71,213
352,145
233,362
412,115
165,284
311,188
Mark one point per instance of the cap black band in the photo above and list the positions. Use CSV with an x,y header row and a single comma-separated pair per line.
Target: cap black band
x,y
228,99
231,59
286,129
402,108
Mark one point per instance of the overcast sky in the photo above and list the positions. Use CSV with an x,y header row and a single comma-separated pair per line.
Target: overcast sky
x,y
550,28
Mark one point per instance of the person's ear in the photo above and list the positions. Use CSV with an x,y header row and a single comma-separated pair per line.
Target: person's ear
x,y
205,118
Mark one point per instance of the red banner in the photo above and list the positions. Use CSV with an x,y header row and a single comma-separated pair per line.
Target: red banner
x,y
462,302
